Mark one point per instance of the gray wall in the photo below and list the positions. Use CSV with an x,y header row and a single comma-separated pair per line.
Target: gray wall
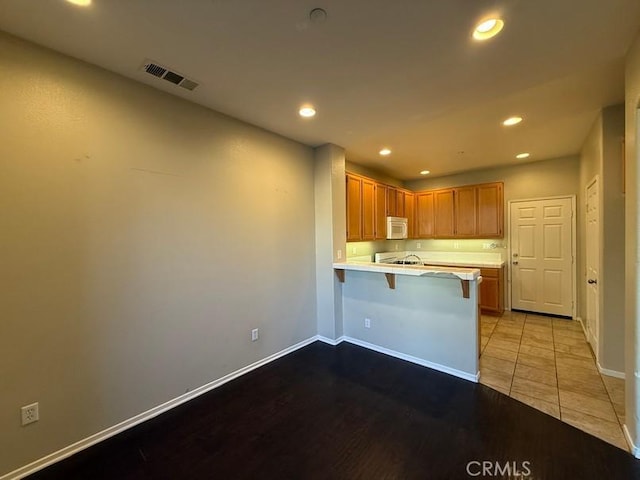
x,y
424,317
522,180
632,285
613,258
330,207
601,156
142,238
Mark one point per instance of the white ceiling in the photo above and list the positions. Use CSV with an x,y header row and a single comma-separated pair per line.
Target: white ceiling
x,y
403,73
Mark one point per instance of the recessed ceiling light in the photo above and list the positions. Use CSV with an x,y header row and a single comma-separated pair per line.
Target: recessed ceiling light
x,y
307,111
384,152
80,3
520,156
488,28
425,172
512,121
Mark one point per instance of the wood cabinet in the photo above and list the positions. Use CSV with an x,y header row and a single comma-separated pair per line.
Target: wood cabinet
x,y
424,215
490,210
392,202
368,209
354,208
443,213
381,211
367,202
492,291
472,211
410,213
465,212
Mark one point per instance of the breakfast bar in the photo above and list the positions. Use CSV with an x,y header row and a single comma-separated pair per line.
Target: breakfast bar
x,y
424,314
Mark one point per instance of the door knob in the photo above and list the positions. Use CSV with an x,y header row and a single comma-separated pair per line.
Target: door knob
x,y
515,262
515,255
591,281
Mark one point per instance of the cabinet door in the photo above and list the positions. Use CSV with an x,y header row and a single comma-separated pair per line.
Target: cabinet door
x,y
354,208
491,290
368,209
443,213
424,215
409,212
381,211
465,212
391,202
490,210
400,201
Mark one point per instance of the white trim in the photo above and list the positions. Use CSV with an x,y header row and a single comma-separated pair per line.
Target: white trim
x,y
635,451
610,373
425,363
324,340
149,414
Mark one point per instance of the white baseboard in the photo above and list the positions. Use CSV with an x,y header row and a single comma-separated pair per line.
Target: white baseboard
x,y
144,416
326,340
594,346
425,363
635,451
610,373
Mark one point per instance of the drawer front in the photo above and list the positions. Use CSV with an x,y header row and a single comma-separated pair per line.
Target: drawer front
x,y
490,272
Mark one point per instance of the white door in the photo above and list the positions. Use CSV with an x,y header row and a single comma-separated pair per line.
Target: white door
x,y
541,256
592,263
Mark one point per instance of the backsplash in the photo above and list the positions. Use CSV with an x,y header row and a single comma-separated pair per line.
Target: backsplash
x,y
491,245
361,249
448,245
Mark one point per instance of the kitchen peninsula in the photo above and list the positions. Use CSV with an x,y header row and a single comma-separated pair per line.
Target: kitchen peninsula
x,y
424,314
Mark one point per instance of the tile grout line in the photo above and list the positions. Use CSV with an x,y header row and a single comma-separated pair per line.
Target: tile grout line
x,y
555,365
515,364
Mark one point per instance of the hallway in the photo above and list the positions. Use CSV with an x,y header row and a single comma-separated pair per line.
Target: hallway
x,y
546,363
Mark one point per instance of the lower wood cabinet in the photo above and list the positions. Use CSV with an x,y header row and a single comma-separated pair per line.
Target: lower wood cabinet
x,y
492,291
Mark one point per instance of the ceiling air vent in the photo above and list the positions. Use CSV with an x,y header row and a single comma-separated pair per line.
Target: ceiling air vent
x,y
165,73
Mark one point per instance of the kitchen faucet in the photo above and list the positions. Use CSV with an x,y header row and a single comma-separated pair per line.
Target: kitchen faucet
x,y
419,260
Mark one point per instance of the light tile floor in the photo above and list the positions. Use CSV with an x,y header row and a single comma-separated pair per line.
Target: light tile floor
x,y
547,363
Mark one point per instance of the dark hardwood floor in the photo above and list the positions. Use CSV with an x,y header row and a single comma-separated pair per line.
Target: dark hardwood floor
x,y
345,412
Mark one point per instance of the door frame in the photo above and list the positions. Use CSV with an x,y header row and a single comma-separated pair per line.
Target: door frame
x,y
574,263
594,342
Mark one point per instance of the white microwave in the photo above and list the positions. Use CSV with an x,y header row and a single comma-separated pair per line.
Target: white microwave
x,y
397,228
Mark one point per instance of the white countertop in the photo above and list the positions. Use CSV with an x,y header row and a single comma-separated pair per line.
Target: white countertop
x,y
454,259
413,270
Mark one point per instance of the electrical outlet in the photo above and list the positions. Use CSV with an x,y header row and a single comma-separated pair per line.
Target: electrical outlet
x,y
30,413
397,246
254,335
339,254
418,245
367,323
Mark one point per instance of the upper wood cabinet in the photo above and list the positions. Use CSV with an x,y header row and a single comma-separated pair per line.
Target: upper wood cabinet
x,y
381,211
368,210
354,208
367,203
443,213
410,213
424,215
465,212
490,210
472,211
392,202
